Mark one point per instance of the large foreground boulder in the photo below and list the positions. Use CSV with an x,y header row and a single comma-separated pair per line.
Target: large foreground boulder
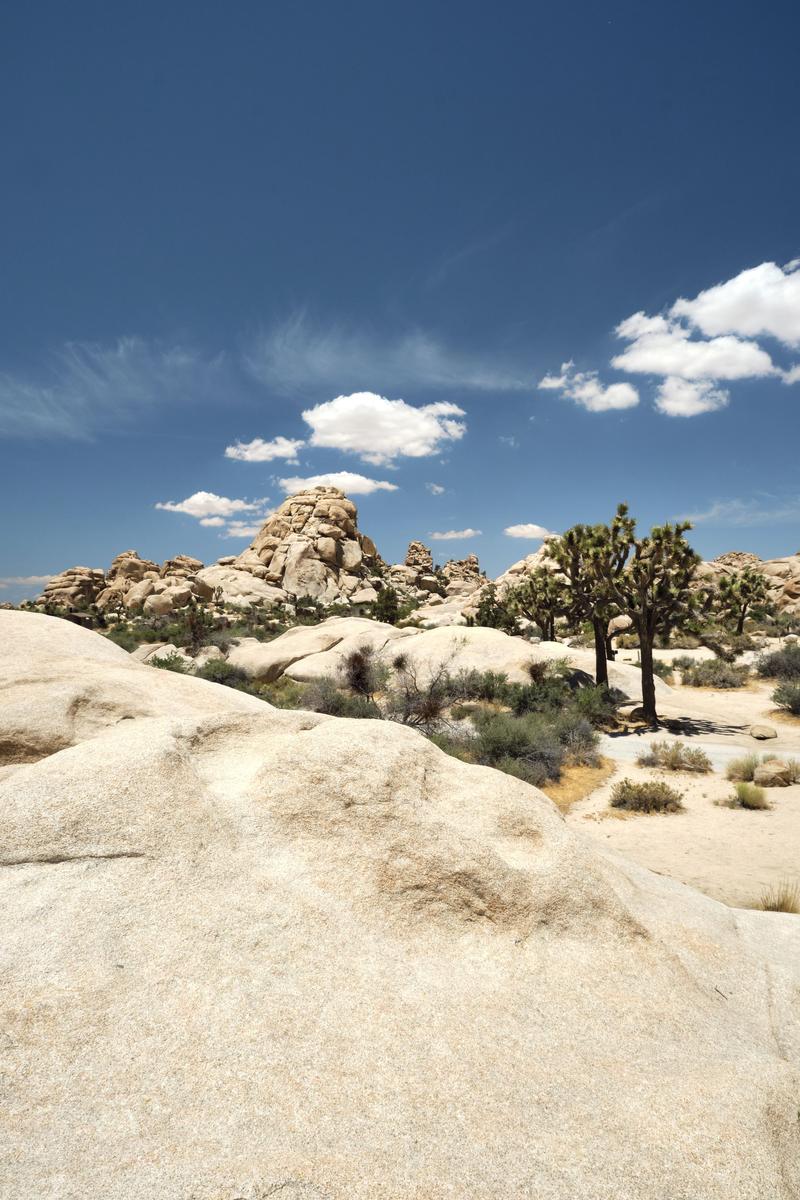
x,y
253,953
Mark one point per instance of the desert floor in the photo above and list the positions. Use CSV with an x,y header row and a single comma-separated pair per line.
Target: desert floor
x,y
731,854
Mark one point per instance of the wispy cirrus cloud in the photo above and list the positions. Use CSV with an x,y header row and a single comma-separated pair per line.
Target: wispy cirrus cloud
x,y
299,355
763,509
23,581
85,388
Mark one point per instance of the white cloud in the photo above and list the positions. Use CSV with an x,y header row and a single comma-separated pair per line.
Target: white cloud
x,y
212,522
435,489
760,510
454,535
510,441
348,481
688,398
660,347
13,581
380,430
299,356
260,451
241,529
585,389
88,387
527,531
761,301
208,504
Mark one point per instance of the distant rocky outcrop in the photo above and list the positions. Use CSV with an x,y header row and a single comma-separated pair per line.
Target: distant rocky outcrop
x,y
782,575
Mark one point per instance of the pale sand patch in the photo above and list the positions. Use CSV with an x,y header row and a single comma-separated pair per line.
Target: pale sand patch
x,y
730,854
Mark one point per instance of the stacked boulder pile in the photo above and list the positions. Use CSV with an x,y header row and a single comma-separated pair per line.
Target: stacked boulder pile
x,y
782,575
131,584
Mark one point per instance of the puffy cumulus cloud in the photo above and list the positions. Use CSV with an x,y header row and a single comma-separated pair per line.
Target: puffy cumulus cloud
x,y
585,388
763,301
299,356
662,347
454,535
212,522
379,430
208,504
530,530
689,397
260,450
14,581
435,489
348,481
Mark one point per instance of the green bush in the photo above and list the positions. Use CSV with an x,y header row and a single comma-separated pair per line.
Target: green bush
x,y
747,795
323,696
501,736
674,756
781,664
217,670
477,685
711,672
650,797
170,662
787,695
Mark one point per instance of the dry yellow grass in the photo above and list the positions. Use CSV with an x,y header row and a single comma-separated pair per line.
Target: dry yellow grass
x,y
578,782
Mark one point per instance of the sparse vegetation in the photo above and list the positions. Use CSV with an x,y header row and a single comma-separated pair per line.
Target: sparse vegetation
x,y
743,769
787,695
675,756
170,662
747,795
652,796
219,670
783,897
710,672
781,664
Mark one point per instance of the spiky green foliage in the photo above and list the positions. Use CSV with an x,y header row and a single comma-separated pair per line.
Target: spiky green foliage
x,y
492,612
542,597
737,595
387,606
591,558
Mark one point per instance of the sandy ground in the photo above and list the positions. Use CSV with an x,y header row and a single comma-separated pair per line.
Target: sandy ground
x,y
731,854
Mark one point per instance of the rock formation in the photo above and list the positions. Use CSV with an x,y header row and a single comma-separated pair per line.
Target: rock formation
x,y
782,575
251,952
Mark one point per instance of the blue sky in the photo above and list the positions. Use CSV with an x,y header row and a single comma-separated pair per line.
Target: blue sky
x,y
218,218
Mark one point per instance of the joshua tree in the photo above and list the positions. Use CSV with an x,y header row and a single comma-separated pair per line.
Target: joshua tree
x,y
493,613
592,559
386,607
654,589
541,597
738,594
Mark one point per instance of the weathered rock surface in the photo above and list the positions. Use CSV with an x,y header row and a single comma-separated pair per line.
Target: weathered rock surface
x,y
249,952
77,587
773,773
782,575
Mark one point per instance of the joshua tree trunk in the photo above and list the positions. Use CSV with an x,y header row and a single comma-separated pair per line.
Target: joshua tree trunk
x,y
600,660
648,676
611,653
740,622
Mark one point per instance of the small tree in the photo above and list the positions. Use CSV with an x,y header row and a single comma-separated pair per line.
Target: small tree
x,y
541,597
654,589
737,595
492,612
387,606
591,559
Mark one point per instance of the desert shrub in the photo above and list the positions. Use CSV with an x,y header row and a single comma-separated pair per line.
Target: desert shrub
x,y
787,695
712,672
283,693
170,662
217,670
477,685
363,673
532,771
743,769
501,736
747,795
650,797
459,747
419,697
323,696
387,606
674,756
597,703
784,897
680,640
123,635
781,664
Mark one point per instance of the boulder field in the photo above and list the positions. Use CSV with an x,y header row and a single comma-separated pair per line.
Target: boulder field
x,y
254,953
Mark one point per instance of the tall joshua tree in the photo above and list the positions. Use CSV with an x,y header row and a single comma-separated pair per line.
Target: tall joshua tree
x,y
592,558
654,589
738,594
